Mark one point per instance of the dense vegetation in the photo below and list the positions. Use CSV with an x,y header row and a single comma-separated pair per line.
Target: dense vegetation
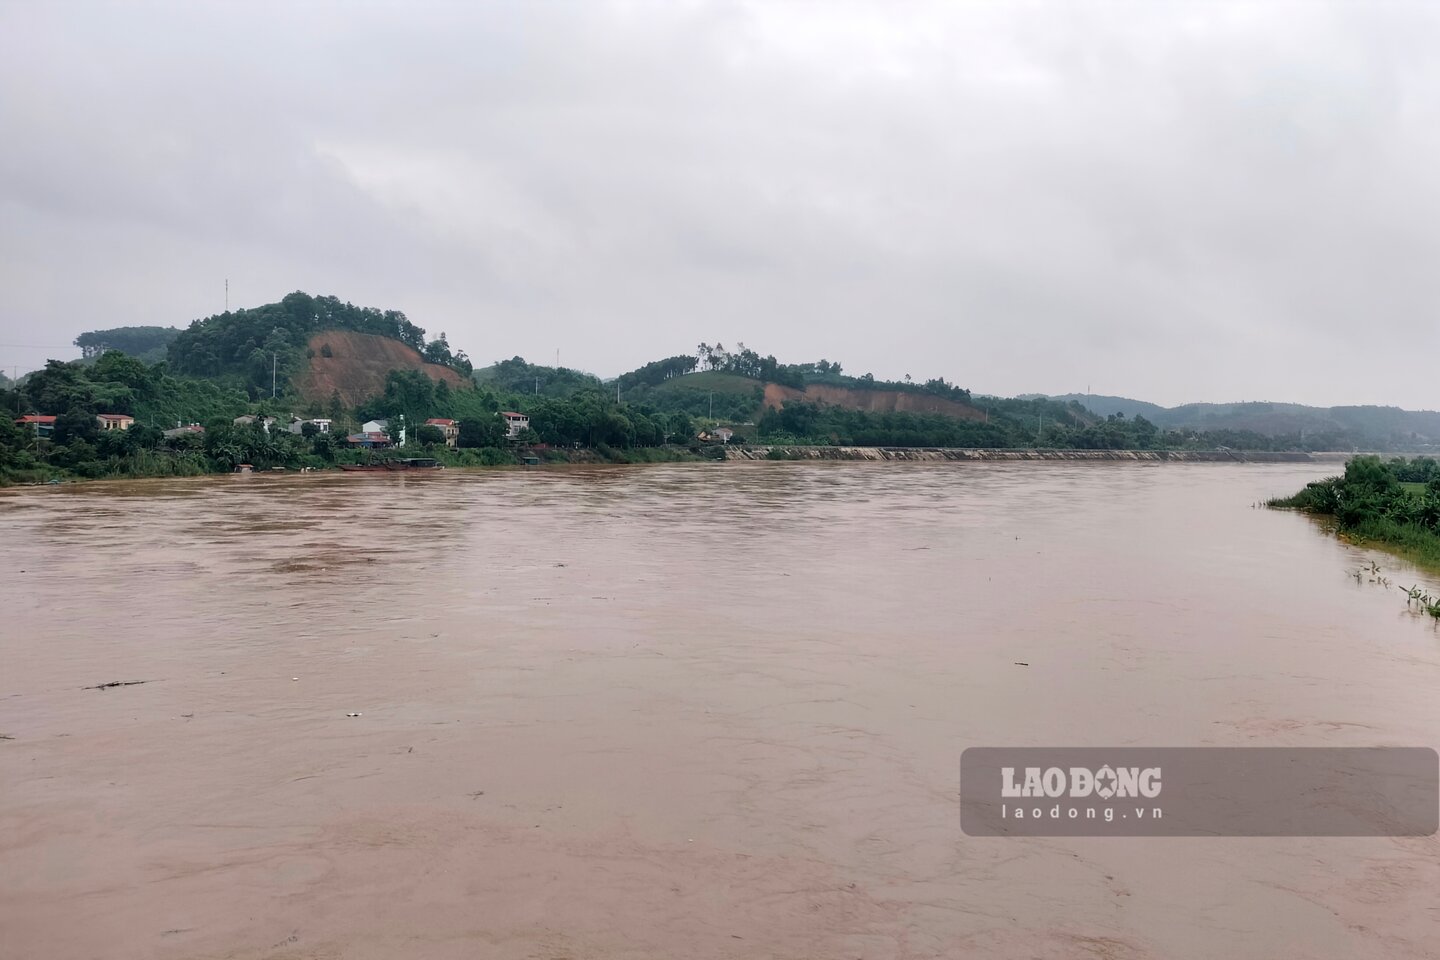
x,y
748,363
709,395
115,383
515,376
586,417
143,343
1394,503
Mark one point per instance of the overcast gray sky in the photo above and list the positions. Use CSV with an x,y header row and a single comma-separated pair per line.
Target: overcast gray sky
x,y
1172,201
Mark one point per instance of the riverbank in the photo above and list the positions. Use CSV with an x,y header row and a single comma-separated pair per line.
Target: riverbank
x,y
943,454
1390,505
155,466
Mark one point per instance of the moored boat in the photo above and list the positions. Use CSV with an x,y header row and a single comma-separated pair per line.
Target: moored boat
x,y
409,463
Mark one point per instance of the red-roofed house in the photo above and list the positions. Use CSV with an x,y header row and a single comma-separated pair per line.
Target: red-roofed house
x,y
42,424
450,428
370,439
114,421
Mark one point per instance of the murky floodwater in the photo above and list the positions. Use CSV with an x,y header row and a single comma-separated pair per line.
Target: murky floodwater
x,y
692,711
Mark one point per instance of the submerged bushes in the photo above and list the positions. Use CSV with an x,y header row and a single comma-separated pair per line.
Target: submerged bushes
x,y
1372,502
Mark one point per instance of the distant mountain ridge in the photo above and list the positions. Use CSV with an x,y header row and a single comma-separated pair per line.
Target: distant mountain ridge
x,y
1347,425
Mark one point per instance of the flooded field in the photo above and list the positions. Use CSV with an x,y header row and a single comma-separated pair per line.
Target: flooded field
x,y
691,711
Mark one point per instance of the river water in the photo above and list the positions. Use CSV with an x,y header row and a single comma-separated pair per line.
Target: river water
x,y
688,711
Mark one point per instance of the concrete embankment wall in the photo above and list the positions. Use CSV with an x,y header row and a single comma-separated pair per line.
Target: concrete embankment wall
x,y
937,454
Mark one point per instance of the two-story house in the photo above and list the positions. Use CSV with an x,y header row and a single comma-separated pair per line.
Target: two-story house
x,y
450,428
514,423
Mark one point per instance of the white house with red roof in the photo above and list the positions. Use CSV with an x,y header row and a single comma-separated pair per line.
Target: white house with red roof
x,y
450,428
114,421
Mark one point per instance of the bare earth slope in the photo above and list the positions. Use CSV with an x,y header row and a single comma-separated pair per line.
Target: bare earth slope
x,y
878,401
358,364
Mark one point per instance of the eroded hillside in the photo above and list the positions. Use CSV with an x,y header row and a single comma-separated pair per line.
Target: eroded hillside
x,y
355,366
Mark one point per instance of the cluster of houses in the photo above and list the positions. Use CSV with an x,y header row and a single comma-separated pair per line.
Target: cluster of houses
x,y
44,424
377,434
373,433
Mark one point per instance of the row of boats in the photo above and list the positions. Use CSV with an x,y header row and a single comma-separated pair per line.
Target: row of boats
x,y
408,463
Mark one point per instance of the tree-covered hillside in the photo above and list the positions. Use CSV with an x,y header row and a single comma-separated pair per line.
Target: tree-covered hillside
x,y
148,344
1107,406
517,376
116,383
745,362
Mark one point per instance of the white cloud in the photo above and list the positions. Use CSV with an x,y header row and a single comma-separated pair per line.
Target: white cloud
x,y
1173,201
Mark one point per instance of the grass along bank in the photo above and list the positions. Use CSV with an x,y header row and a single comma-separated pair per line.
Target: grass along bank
x,y
1393,505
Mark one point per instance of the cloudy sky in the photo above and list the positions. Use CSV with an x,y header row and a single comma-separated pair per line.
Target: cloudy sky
x,y
1172,201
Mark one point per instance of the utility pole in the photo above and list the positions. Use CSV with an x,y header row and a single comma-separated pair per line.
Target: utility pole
x,y
712,406
537,386
227,294
273,363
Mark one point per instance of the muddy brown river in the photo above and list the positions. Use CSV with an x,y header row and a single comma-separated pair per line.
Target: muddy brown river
x,y
690,711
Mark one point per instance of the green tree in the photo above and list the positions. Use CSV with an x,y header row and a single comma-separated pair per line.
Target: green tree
x,y
14,440
481,431
75,424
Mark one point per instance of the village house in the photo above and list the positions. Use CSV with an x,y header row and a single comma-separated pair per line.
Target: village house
x,y
397,437
115,421
297,425
42,424
369,439
183,430
246,420
450,428
514,423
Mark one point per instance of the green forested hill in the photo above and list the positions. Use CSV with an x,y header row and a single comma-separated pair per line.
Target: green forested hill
x,y
143,343
517,376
